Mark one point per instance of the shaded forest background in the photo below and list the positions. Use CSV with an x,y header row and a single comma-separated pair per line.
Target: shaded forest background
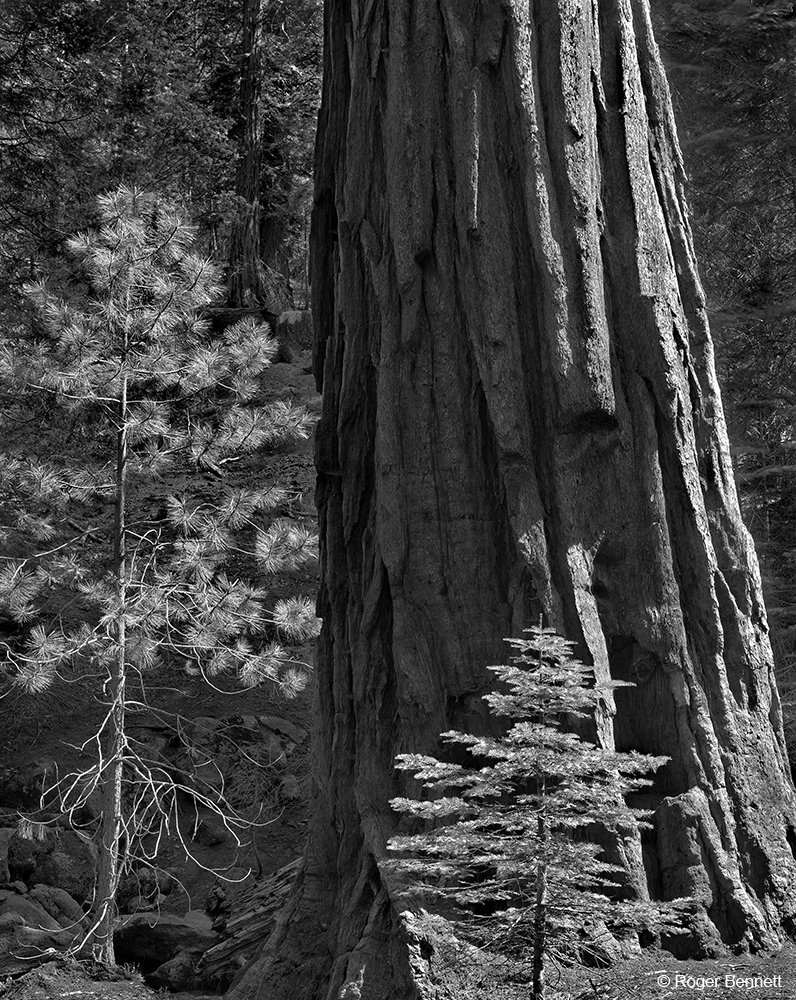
x,y
94,93
733,78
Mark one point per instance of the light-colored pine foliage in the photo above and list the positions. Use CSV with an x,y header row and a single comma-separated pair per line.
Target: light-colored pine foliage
x,y
506,839
103,567
189,406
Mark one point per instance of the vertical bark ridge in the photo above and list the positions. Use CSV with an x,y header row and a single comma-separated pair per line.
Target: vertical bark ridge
x,y
520,414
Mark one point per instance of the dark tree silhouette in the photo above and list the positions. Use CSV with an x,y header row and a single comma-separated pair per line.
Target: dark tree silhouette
x,y
245,276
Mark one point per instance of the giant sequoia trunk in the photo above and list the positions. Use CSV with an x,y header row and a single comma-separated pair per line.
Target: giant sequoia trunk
x,y
521,415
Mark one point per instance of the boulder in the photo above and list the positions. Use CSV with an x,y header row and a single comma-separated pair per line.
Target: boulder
x,y
217,902
210,832
21,946
176,974
142,938
27,932
9,920
28,910
143,889
63,859
22,787
59,904
166,881
143,904
5,839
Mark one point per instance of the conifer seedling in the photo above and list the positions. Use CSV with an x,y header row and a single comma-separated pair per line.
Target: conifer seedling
x,y
509,847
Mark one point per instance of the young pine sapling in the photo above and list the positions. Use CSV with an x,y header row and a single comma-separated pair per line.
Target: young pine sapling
x,y
511,851
104,565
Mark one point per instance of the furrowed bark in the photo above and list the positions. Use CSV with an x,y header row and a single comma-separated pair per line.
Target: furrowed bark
x,y
245,266
521,416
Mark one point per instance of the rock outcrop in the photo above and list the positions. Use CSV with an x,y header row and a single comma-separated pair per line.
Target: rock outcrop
x,y
151,940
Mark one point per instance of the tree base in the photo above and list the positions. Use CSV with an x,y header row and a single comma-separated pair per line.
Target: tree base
x,y
399,956
358,945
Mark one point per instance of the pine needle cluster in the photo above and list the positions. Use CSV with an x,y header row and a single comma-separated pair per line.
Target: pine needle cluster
x,y
509,843
126,359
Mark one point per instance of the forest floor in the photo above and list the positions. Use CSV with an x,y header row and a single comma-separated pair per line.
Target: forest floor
x,y
654,976
659,976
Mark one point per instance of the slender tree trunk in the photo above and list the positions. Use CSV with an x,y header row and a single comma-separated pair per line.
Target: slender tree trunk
x,y
111,827
520,415
540,902
540,917
245,275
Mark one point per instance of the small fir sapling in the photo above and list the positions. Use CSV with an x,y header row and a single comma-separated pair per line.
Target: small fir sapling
x,y
120,384
510,849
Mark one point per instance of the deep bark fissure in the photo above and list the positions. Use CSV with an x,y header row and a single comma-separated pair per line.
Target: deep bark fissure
x,y
790,836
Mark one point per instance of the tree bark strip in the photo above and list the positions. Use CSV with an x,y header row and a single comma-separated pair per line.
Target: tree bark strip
x,y
521,415
245,267
112,766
